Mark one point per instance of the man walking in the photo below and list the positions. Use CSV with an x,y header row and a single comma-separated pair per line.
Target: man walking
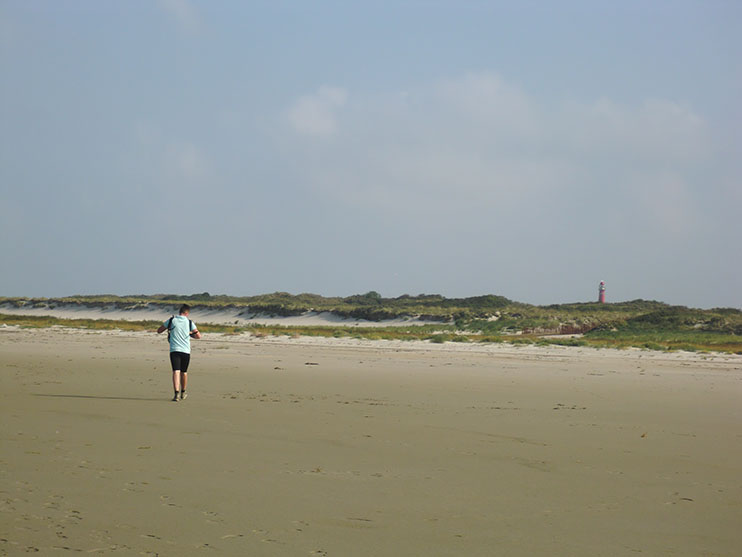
x,y
180,331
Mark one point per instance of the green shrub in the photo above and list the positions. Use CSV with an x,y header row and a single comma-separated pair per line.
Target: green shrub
x,y
521,340
439,338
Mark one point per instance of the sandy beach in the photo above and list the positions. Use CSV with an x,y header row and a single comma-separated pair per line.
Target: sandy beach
x,y
337,447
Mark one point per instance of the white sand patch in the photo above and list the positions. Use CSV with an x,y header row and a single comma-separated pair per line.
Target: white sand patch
x,y
220,316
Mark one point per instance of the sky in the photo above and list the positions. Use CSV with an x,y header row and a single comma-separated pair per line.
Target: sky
x,y
524,149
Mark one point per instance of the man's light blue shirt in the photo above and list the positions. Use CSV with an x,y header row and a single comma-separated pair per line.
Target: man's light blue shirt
x,y
180,339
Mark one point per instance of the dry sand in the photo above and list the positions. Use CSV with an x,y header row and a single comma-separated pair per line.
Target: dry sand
x,y
306,447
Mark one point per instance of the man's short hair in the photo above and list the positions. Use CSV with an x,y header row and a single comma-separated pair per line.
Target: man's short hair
x,y
184,308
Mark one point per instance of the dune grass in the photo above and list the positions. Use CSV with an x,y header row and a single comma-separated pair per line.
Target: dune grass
x,y
643,324
694,341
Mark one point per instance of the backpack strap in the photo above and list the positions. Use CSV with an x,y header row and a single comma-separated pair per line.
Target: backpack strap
x,y
170,326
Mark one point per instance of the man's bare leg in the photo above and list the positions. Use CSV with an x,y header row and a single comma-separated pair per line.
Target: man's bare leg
x,y
176,383
183,384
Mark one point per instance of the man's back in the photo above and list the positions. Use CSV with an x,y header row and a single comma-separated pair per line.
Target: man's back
x,y
180,330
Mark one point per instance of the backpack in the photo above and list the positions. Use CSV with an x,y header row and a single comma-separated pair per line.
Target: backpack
x,y
170,326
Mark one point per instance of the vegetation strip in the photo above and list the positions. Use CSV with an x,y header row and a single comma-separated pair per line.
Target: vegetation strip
x,y
646,339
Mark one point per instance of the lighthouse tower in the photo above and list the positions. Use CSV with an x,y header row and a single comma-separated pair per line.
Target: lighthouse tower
x,y
601,292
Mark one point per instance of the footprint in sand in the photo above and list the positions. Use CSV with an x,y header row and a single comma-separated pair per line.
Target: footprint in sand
x,y
164,499
132,486
212,517
300,523
153,536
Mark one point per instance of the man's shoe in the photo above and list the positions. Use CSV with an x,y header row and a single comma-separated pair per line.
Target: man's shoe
x,y
183,395
175,398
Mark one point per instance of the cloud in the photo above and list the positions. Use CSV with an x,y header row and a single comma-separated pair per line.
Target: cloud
x,y
316,114
183,12
486,99
478,146
656,130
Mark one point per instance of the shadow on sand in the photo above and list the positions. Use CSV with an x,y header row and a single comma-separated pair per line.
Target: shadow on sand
x,y
161,399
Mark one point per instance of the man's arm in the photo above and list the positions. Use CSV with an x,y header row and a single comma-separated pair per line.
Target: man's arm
x,y
195,334
161,329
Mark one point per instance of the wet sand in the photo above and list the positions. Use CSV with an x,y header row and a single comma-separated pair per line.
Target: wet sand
x,y
306,447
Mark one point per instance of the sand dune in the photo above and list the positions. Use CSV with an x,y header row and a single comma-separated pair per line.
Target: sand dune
x,y
348,447
225,316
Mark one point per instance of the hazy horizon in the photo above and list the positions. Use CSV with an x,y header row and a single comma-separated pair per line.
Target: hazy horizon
x,y
524,150
187,296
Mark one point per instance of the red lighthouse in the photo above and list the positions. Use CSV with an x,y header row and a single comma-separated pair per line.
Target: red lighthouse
x,y
601,292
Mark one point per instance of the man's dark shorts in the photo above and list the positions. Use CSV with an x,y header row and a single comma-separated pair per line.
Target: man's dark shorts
x,y
180,361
